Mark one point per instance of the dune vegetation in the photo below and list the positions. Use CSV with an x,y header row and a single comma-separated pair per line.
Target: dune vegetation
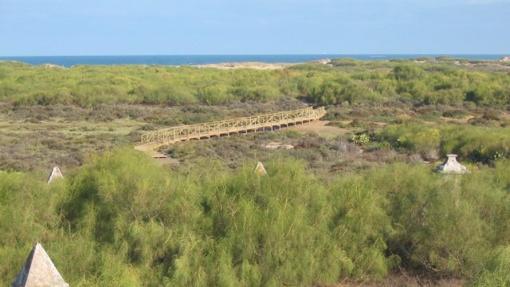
x,y
344,81
122,220
356,199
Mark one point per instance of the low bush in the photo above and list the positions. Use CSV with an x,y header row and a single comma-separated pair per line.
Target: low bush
x,y
413,137
496,272
478,144
442,224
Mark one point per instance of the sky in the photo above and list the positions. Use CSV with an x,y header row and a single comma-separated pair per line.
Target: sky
x,y
168,27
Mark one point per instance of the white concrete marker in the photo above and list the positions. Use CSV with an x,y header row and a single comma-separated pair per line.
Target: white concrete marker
x,y
55,174
452,166
260,170
39,271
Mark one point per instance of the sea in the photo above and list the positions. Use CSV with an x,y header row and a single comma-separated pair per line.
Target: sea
x,y
183,60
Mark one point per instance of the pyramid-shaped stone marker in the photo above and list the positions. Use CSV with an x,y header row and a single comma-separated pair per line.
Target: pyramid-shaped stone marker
x,y
452,166
39,271
260,170
55,174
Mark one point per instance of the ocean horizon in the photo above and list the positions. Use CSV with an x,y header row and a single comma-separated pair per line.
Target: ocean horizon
x,y
185,60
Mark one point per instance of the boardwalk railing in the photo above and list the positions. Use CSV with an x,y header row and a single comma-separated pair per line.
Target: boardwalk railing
x,y
232,126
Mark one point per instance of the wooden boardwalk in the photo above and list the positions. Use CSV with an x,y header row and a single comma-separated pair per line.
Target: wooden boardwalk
x,y
155,139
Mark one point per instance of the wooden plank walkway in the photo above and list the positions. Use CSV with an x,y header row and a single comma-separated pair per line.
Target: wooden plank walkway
x,y
155,139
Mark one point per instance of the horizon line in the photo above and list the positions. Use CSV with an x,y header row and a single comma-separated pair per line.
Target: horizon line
x,y
263,54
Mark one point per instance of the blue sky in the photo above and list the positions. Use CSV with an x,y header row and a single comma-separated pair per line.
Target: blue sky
x,y
126,27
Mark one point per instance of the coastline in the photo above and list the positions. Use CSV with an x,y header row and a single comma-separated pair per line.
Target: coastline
x,y
231,61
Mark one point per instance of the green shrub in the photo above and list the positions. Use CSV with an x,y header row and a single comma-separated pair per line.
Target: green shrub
x,y
413,137
262,229
406,72
361,139
27,215
496,272
481,144
437,230
215,95
359,215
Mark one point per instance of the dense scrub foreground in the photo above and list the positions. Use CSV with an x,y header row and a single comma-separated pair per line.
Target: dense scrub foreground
x,y
122,220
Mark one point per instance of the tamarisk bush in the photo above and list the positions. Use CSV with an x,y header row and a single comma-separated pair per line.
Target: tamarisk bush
x,y
123,220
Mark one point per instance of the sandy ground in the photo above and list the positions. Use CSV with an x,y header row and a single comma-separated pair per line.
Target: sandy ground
x,y
247,65
321,128
152,151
